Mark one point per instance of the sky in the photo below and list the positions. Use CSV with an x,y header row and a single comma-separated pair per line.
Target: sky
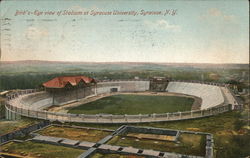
x,y
191,31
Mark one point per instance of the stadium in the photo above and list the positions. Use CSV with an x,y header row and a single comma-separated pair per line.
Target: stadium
x,y
71,99
72,113
123,79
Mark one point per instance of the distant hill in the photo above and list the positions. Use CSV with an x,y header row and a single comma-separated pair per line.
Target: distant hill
x,y
31,74
37,66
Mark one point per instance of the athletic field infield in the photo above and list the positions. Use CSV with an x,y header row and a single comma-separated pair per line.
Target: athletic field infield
x,y
134,104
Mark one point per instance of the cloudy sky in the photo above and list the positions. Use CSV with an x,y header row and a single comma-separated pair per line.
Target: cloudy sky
x,y
192,31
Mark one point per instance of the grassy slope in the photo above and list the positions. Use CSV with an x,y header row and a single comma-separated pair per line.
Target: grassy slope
x,y
2,108
229,142
40,150
134,104
8,126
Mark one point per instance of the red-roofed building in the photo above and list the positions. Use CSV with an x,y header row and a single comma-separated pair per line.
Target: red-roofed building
x,y
64,81
70,88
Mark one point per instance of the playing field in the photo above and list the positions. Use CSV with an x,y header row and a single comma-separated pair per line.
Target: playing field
x,y
134,104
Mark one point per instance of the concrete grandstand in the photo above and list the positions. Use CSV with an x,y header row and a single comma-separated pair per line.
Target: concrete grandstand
x,y
211,95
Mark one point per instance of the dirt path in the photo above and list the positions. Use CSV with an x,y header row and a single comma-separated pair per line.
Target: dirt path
x,y
64,108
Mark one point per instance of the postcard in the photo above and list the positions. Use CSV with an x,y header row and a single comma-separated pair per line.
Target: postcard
x,y
124,79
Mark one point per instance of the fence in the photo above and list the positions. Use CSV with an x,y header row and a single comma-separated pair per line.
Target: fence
x,y
107,118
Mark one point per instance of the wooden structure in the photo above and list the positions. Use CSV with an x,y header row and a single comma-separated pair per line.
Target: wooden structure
x,y
70,88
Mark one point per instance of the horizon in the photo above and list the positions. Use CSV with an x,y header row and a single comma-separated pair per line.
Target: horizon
x,y
120,62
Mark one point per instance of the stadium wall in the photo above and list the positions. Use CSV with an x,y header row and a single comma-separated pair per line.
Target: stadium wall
x,y
122,86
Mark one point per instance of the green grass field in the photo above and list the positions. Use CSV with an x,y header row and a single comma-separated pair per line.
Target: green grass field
x,y
8,126
83,134
134,104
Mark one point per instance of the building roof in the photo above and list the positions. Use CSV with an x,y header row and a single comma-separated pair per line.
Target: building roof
x,y
61,82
